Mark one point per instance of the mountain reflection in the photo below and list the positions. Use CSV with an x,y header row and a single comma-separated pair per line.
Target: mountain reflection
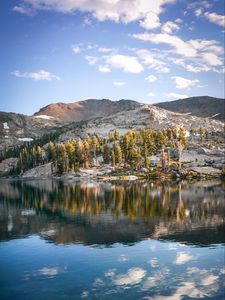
x,y
95,213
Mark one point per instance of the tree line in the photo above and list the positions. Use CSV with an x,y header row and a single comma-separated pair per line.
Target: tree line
x,y
130,150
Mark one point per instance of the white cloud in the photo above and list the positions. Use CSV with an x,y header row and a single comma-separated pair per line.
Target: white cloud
x,y
22,9
170,27
198,12
181,47
133,276
127,63
183,258
91,59
87,21
105,50
212,59
76,49
114,10
203,54
118,83
163,70
153,60
215,18
151,94
179,21
194,68
104,69
151,78
151,21
40,75
184,83
176,96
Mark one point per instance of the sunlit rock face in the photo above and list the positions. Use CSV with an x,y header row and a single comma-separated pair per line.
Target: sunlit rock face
x,y
107,213
96,116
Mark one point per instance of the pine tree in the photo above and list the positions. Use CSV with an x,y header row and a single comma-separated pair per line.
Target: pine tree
x,y
51,152
206,135
86,154
38,155
201,134
61,158
106,153
113,158
182,136
94,146
146,160
118,154
70,150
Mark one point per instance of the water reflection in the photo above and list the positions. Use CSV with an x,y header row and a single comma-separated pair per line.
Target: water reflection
x,y
93,213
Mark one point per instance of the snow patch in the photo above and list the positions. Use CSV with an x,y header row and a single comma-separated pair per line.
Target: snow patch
x,y
5,126
28,212
215,115
187,133
25,139
44,117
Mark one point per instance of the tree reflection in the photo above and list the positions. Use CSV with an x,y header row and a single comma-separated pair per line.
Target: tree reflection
x,y
149,209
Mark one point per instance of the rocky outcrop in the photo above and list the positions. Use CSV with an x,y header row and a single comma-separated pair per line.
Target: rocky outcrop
x,y
7,165
149,116
39,172
206,170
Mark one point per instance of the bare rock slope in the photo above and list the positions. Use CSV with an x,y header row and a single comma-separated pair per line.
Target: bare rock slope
x,y
86,110
150,116
202,106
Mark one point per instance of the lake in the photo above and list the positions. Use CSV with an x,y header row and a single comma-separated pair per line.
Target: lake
x,y
96,240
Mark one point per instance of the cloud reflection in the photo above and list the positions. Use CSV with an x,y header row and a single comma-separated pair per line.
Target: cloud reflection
x,y
133,276
49,272
183,258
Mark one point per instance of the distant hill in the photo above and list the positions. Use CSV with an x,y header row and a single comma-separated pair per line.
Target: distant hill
x,y
86,110
202,106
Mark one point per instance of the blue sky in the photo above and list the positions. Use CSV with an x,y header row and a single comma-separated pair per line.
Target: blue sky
x,y
150,51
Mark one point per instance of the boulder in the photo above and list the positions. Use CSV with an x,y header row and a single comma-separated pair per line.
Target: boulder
x,y
39,171
7,165
206,170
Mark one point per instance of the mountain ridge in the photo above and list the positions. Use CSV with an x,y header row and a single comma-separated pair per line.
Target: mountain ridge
x,y
200,106
104,115
86,109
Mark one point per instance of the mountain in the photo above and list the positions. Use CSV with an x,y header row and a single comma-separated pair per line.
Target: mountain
x,y
145,116
86,110
202,106
17,128
101,116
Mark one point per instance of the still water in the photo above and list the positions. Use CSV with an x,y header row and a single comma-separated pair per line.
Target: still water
x,y
111,240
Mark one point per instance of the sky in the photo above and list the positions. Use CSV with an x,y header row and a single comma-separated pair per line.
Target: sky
x,y
146,50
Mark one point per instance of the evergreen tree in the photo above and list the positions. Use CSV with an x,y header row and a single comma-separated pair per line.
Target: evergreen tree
x,y
70,150
51,152
201,134
38,155
118,154
113,158
106,153
61,158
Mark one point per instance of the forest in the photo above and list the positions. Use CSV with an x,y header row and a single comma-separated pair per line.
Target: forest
x,y
131,150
